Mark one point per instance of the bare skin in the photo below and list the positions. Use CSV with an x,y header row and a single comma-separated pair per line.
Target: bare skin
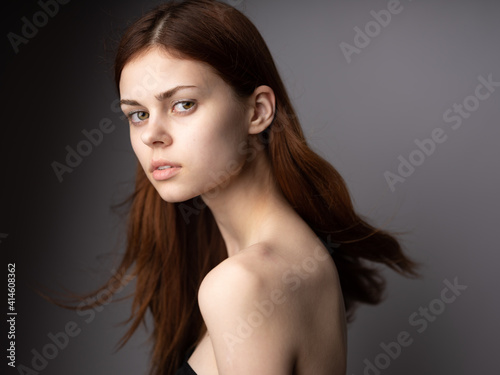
x,y
274,306
285,256
310,308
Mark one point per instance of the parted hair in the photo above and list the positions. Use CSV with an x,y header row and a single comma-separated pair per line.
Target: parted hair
x,y
168,252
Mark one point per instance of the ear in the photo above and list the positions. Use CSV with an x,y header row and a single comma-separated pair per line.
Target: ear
x,y
263,107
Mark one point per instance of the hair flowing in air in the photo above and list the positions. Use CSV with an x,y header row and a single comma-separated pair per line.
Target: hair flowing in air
x,y
172,246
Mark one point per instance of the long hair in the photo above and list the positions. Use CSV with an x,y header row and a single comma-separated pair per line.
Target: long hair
x,y
172,246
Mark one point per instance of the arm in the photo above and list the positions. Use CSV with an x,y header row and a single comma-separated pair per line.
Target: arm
x,y
250,333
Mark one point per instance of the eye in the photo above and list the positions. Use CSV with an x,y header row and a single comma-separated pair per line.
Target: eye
x,y
184,106
138,116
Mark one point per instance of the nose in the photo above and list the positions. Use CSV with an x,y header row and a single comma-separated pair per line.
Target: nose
x,y
155,133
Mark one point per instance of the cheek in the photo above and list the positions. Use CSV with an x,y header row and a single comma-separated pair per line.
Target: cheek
x,y
139,150
135,145
217,152
220,141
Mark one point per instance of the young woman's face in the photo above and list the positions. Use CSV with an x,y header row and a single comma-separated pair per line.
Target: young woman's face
x,y
184,115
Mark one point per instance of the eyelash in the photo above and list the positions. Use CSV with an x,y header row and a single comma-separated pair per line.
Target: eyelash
x,y
181,113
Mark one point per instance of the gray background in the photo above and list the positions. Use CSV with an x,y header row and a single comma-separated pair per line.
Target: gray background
x,y
360,116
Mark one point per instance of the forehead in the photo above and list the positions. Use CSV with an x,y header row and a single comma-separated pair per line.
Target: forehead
x,y
156,69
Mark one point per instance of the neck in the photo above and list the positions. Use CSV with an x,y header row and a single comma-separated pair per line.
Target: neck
x,y
247,206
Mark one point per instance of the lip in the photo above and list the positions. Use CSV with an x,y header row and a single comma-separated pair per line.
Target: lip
x,y
165,174
161,162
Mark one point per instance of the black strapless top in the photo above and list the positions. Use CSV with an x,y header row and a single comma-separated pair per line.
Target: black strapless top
x,y
185,369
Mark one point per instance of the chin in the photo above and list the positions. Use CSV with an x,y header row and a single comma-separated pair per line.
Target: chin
x,y
174,198
170,195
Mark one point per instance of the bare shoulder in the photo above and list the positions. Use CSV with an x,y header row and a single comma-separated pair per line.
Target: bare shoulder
x,y
267,272
251,274
254,262
275,309
243,307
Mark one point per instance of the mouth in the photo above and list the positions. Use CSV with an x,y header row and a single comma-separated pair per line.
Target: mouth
x,y
162,164
166,172
162,169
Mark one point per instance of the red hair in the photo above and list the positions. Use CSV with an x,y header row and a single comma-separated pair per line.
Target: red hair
x,y
170,253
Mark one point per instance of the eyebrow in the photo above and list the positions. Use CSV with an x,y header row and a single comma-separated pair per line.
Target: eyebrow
x,y
160,97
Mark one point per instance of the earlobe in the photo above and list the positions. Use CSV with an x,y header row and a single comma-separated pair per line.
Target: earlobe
x,y
263,109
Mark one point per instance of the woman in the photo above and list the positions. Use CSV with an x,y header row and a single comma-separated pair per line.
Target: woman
x,y
244,242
